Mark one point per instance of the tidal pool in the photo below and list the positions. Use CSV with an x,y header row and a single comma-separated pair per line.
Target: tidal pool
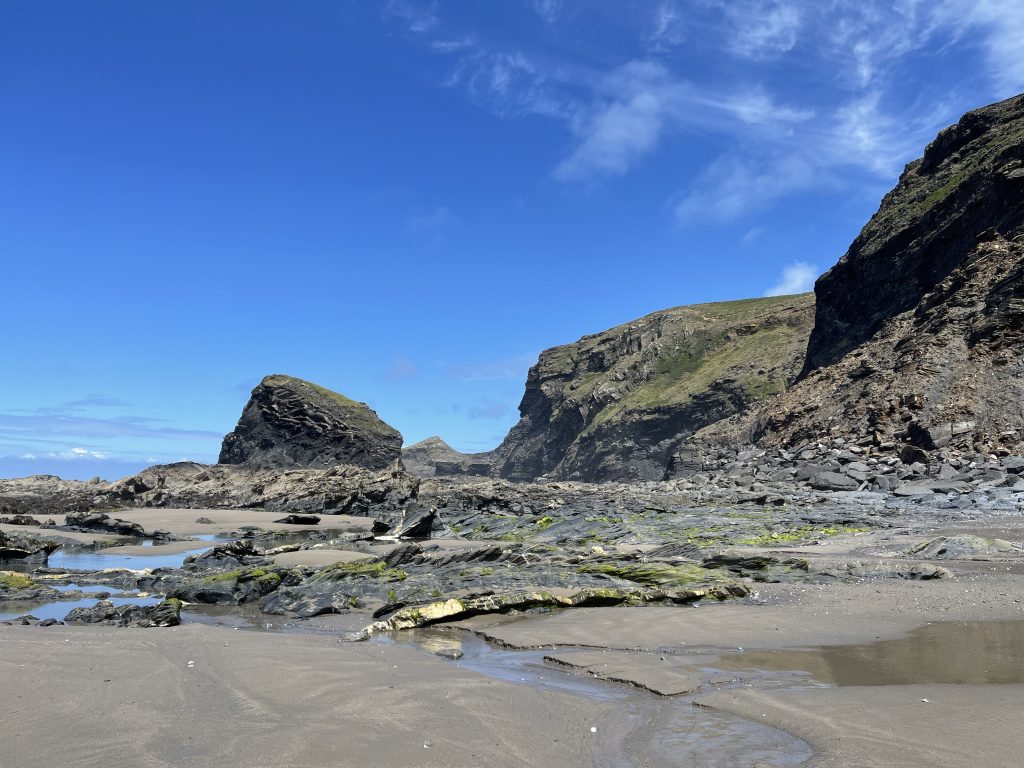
x,y
58,609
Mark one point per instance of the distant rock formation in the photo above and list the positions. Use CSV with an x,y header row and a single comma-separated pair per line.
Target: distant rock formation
x,y
616,405
434,457
919,328
291,423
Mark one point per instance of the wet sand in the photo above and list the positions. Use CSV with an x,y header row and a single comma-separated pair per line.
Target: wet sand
x,y
97,697
304,700
940,726
182,522
786,616
871,639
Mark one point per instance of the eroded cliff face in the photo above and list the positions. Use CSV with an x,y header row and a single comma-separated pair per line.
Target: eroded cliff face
x,y
969,181
615,405
291,423
919,332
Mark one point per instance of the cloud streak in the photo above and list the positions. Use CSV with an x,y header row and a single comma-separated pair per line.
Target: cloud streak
x,y
619,117
418,18
512,368
798,277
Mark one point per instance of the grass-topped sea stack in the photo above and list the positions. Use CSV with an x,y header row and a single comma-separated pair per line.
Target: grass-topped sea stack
x,y
289,422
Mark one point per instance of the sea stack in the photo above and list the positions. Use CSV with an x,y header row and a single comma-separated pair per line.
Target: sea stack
x,y
291,423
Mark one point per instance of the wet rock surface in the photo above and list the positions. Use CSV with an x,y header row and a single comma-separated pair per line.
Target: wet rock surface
x,y
24,548
166,614
99,521
491,546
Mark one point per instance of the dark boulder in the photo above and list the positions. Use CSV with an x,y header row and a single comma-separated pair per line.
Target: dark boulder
x,y
100,521
415,521
20,520
833,481
165,614
299,520
15,546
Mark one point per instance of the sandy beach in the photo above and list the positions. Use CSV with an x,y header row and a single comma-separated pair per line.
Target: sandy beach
x,y
127,697
731,651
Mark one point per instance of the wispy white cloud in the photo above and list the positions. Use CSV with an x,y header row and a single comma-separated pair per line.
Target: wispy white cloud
x,y
756,107
433,225
762,29
641,98
752,235
75,454
41,425
641,101
798,277
511,84
1001,25
667,27
512,368
619,118
417,17
401,369
733,186
454,45
548,10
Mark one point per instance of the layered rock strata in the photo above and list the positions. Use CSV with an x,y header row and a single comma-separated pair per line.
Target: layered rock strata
x,y
291,423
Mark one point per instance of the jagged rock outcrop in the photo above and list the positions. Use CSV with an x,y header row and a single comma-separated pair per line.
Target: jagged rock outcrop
x,y
434,457
969,182
291,423
920,326
616,405
339,490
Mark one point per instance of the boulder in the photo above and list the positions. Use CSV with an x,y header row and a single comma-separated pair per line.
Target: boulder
x,y
25,548
963,547
100,521
164,614
833,481
415,521
299,520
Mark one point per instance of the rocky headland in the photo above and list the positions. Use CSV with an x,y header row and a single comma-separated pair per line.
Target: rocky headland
x,y
616,405
839,469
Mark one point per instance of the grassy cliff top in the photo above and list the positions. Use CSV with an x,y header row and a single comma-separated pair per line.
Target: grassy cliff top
x,y
668,357
358,414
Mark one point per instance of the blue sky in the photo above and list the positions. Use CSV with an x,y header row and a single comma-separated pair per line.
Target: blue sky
x,y
407,201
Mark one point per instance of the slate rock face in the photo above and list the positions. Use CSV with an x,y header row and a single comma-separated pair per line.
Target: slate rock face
x,y
617,405
969,181
919,327
291,423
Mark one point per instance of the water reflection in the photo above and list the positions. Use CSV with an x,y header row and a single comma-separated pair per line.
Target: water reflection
x,y
958,653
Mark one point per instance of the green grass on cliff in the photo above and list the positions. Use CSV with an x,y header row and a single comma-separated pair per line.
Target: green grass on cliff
x,y
741,340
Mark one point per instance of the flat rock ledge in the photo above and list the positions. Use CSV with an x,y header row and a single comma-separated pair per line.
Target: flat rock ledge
x,y
454,609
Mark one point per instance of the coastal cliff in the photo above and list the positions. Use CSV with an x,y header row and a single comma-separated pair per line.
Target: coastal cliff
x,y
615,405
